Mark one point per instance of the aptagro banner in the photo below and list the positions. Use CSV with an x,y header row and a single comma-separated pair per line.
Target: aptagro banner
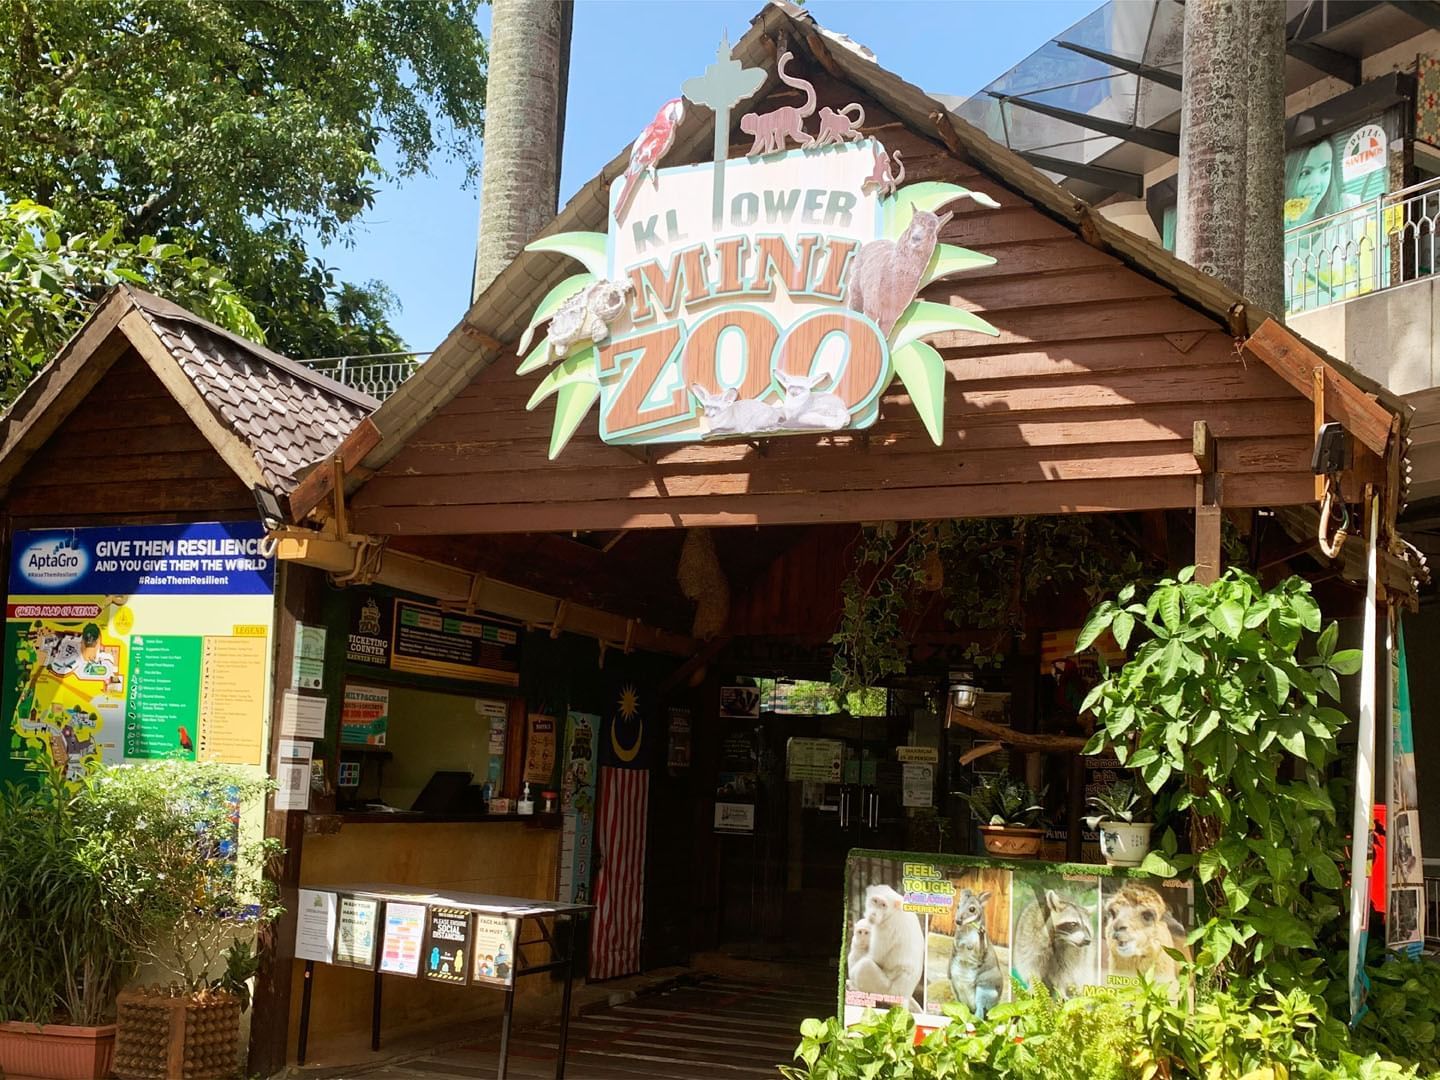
x,y
925,930
136,643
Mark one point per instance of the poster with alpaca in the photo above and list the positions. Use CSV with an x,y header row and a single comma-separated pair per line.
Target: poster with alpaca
x,y
1144,924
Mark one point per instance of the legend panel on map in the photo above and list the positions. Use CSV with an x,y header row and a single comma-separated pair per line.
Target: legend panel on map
x,y
162,703
232,699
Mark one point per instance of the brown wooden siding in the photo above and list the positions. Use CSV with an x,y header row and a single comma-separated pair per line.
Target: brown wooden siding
x,y
128,453
1086,401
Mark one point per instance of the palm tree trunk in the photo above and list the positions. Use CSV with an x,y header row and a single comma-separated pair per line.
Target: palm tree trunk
x,y
525,106
1229,218
1210,217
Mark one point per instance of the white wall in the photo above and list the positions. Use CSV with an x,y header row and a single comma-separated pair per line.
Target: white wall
x,y
1388,335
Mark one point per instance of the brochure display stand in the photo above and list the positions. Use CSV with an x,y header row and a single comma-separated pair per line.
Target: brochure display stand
x,y
456,938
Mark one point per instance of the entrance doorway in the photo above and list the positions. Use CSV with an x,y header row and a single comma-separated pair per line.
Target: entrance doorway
x,y
827,783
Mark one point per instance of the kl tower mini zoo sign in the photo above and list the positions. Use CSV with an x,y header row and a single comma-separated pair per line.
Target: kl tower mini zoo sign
x,y
767,295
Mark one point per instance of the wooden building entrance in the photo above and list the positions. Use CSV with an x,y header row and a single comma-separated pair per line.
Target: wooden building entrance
x,y
1111,379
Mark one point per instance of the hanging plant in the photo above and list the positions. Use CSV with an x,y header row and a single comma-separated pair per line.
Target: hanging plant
x,y
890,567
986,572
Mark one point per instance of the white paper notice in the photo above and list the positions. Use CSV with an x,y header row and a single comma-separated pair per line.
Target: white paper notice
x,y
302,717
315,926
292,774
404,934
917,785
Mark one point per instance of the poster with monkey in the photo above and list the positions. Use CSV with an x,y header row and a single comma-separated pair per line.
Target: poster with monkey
x,y
925,932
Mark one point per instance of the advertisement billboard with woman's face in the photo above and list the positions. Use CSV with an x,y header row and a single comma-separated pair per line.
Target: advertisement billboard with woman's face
x,y
1333,243
1338,172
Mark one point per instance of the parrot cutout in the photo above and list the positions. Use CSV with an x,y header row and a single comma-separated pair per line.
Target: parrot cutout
x,y
645,153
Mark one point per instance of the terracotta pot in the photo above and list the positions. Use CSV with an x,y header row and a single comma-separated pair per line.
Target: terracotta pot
x,y
1011,842
56,1051
1124,843
186,1037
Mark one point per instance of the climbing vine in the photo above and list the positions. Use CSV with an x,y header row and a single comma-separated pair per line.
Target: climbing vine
x,y
985,571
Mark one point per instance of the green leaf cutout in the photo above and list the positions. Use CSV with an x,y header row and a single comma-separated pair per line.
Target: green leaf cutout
x,y
572,404
551,304
579,368
585,247
931,195
538,358
922,370
924,317
949,259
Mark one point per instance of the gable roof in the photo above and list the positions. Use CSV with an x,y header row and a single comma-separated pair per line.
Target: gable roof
x,y
499,315
265,414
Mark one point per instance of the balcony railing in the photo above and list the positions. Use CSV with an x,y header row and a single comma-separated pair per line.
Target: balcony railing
x,y
377,376
1386,241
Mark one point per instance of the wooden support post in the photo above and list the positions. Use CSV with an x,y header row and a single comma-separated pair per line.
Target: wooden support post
x,y
1207,506
1317,397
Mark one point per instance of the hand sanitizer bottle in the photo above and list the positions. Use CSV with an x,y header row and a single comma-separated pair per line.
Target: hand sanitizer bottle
x,y
526,804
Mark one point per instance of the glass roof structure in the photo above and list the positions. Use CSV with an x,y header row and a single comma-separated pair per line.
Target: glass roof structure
x,y
1098,106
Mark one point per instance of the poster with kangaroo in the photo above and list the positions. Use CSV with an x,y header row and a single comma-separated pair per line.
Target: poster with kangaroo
x,y
930,932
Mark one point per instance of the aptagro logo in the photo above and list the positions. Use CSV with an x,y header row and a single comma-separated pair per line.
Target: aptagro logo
x,y
54,562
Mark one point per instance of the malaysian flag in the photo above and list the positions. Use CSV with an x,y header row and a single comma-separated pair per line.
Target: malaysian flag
x,y
620,885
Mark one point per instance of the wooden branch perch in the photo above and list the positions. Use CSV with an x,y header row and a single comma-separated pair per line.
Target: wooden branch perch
x,y
1020,740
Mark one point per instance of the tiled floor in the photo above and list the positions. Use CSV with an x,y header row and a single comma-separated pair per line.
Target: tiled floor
x,y
718,1028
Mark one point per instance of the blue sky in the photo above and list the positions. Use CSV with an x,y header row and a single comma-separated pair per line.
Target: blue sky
x,y
627,57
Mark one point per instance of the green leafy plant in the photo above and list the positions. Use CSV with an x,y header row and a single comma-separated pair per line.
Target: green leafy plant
x,y
1120,800
1001,799
1403,1018
1221,709
1131,1033
891,565
60,914
241,964
242,133
168,834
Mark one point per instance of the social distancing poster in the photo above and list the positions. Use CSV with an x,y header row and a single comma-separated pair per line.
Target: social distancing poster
x,y
136,643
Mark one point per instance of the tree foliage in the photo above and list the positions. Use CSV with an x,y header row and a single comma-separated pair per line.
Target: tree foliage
x,y
238,131
49,276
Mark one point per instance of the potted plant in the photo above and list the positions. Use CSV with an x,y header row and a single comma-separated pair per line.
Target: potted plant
x,y
195,867
1123,840
63,963
1011,814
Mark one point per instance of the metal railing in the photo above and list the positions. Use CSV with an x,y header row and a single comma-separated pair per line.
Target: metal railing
x,y
1387,241
377,376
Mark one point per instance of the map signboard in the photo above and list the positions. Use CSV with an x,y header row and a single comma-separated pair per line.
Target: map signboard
x,y
136,643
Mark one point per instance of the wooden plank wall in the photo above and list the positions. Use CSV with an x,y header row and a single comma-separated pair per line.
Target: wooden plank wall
x,y
127,454
1086,402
